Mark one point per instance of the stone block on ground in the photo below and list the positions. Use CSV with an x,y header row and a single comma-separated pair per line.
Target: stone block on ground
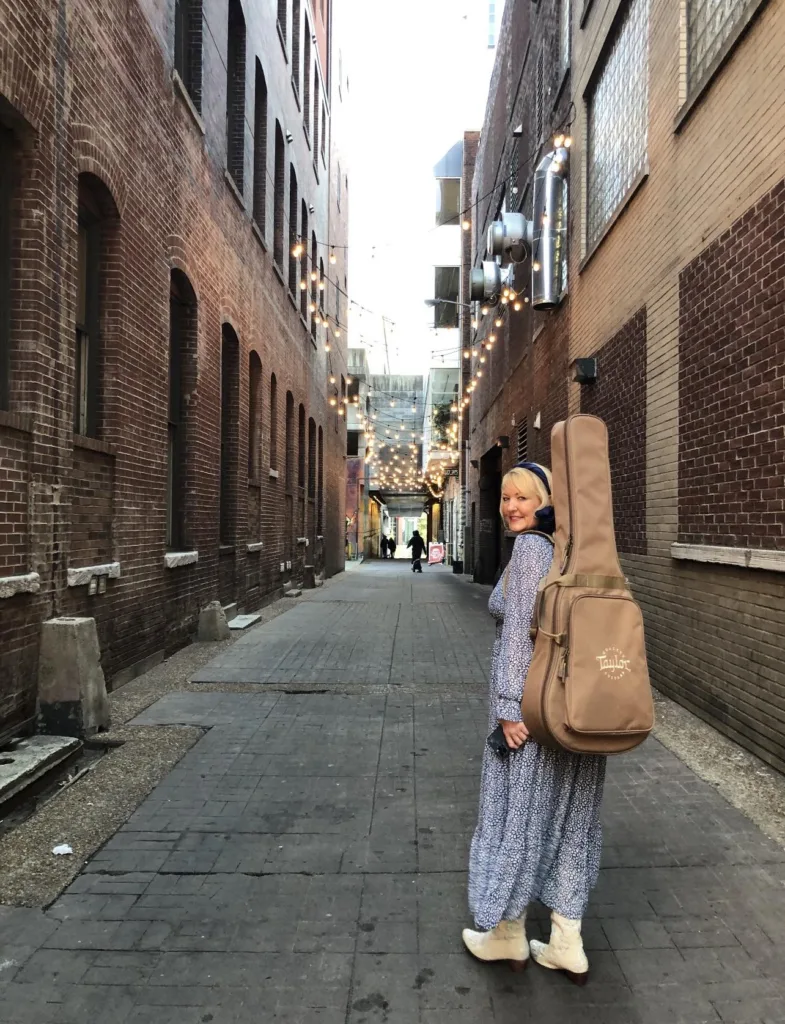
x,y
24,762
72,699
309,577
212,623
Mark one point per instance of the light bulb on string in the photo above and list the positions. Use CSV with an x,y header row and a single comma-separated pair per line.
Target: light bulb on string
x,y
333,257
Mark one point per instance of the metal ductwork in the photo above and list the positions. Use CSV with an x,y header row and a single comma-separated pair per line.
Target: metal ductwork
x,y
549,254
485,282
511,236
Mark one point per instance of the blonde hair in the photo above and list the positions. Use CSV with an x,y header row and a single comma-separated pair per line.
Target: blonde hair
x,y
526,482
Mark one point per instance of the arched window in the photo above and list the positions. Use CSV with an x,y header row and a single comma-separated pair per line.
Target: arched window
x,y
8,223
316,119
289,441
273,422
296,46
292,229
97,222
280,185
183,344
230,410
282,12
235,94
321,284
260,150
301,447
304,269
254,415
188,47
311,458
307,76
320,487
314,285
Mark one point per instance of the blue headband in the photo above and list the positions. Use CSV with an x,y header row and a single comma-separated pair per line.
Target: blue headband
x,y
538,472
544,516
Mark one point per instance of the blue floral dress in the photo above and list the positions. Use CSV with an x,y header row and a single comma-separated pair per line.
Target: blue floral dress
x,y
538,835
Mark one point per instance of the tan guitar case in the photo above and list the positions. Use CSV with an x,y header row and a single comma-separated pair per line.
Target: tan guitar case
x,y
587,689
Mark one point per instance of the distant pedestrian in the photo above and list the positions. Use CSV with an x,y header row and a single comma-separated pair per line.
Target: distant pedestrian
x,y
417,544
383,544
391,546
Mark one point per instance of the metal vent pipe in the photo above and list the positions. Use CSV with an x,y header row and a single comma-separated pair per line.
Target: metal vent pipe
x,y
549,252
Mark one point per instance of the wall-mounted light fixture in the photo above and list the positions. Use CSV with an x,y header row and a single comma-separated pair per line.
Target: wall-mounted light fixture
x,y
502,441
289,136
585,371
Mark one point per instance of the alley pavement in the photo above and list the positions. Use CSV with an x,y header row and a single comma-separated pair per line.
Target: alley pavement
x,y
304,863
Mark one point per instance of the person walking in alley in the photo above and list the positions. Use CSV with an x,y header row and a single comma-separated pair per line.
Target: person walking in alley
x,y
538,834
383,545
391,546
417,544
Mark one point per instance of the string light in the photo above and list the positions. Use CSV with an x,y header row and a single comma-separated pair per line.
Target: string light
x,y
466,225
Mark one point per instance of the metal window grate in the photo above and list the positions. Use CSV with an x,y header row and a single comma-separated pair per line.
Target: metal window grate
x,y
523,443
709,24
618,120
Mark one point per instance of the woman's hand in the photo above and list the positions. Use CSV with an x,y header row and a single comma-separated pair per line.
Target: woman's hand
x,y
515,733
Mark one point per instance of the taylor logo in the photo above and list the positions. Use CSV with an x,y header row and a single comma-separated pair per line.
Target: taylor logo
x,y
613,663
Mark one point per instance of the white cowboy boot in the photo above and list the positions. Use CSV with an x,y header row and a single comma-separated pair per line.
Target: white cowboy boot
x,y
564,952
507,941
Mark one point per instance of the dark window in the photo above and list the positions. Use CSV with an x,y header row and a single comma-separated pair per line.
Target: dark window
x,y
352,442
289,441
304,260
282,12
182,381
307,76
321,286
280,185
539,98
296,45
320,487
273,422
316,102
6,212
523,442
88,313
260,150
293,262
324,130
301,447
314,285
254,415
448,200
235,94
188,47
311,459
230,409
339,183
446,285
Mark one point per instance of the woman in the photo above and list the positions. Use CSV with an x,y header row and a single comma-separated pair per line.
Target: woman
x,y
538,836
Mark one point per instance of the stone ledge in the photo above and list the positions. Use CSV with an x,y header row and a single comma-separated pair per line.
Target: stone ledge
x,y
255,546
82,575
174,559
29,583
745,558
303,540
274,473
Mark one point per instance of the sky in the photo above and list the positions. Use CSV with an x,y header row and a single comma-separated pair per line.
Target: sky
x,y
418,78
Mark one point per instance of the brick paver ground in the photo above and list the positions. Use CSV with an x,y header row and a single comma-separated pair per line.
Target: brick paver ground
x,y
305,861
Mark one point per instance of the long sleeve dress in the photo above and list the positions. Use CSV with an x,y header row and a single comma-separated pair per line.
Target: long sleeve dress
x,y
538,834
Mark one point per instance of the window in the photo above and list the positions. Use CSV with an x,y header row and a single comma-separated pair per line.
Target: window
x,y
273,422
321,7
188,47
6,215
307,77
293,262
538,106
230,409
296,46
314,285
565,31
523,442
710,24
448,201
324,131
235,94
491,24
321,286
280,182
339,184
316,102
311,458
301,446
282,12
182,380
254,415
260,150
617,121
320,487
446,285
304,261
289,454
352,443
88,311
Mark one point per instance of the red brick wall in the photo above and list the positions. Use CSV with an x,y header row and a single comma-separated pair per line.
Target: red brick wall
x,y
619,398
103,102
732,384
14,473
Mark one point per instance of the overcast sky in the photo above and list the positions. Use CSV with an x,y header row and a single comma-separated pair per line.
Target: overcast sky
x,y
418,78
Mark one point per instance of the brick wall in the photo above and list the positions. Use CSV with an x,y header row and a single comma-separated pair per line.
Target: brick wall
x,y
14,509
619,398
104,103
732,384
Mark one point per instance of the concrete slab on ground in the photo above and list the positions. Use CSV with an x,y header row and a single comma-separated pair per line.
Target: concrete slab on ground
x,y
26,761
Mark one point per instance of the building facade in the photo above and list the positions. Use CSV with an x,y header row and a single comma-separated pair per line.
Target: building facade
x,y
675,227
165,230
